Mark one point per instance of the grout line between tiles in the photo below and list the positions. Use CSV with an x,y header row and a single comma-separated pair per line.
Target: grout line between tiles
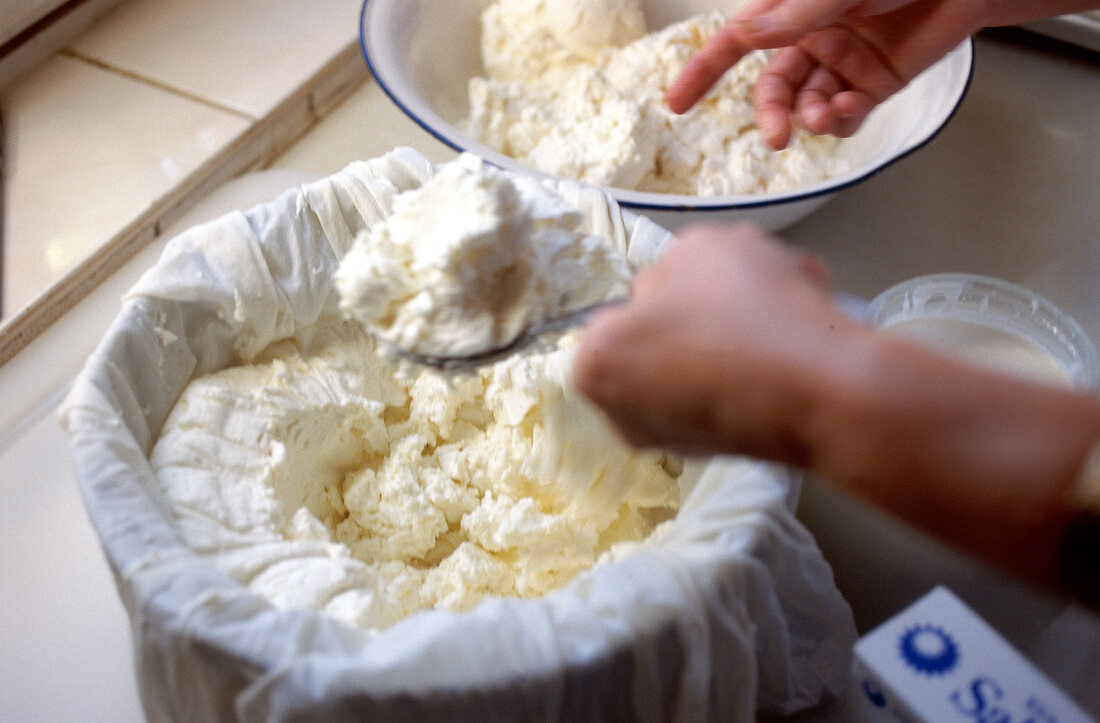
x,y
252,149
138,77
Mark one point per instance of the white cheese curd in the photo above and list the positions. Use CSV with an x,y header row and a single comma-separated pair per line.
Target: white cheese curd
x,y
325,475
523,39
274,498
600,117
471,259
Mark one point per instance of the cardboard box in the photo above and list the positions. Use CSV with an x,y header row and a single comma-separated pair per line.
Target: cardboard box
x,y
938,662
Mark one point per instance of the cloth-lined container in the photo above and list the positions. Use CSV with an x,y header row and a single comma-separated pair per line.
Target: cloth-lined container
x,y
731,611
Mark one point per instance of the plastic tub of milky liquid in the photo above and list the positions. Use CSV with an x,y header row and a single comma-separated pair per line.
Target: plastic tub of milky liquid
x,y
992,322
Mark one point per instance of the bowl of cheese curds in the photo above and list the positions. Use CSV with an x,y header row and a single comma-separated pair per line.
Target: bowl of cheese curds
x,y
575,89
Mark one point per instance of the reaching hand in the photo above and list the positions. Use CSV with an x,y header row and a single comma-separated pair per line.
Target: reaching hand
x,y
711,351
732,344
837,59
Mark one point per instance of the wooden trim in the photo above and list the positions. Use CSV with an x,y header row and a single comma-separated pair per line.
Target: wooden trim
x,y
253,149
14,42
46,36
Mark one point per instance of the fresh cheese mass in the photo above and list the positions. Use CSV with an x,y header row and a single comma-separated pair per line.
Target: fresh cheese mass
x,y
326,475
576,88
467,262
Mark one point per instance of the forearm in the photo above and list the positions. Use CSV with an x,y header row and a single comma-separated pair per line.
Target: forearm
x,y
1011,12
983,460
731,344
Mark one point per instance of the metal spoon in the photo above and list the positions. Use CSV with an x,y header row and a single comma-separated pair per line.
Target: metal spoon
x,y
538,336
535,336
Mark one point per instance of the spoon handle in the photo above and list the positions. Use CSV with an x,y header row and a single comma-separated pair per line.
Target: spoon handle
x,y
534,336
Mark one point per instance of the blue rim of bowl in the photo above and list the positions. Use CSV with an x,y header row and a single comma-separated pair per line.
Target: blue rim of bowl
x,y
718,204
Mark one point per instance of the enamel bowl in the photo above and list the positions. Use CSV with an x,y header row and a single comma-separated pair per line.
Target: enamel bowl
x,y
423,53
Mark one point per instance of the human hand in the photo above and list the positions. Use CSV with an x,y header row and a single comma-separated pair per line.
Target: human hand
x,y
732,344
718,347
837,59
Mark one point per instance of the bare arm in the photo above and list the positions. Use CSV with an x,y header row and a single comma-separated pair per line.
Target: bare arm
x,y
732,344
979,459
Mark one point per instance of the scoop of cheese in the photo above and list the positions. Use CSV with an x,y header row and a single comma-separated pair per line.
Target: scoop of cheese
x,y
471,259
327,476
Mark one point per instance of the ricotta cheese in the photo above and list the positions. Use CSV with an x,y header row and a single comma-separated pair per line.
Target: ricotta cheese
x,y
598,115
325,475
471,259
523,39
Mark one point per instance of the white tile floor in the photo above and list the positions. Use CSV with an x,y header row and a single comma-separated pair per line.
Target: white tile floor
x,y
150,100
243,55
366,125
88,152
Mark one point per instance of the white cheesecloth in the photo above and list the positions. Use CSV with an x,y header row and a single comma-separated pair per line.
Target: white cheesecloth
x,y
732,611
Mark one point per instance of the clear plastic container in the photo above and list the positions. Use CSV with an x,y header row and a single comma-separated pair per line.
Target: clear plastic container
x,y
992,322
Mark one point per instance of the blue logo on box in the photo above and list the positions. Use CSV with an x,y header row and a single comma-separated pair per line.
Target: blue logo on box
x,y
929,650
876,696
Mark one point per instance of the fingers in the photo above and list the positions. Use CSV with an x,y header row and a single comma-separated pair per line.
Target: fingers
x,y
705,68
616,356
823,105
848,80
709,316
856,62
769,24
775,91
851,108
828,83
813,101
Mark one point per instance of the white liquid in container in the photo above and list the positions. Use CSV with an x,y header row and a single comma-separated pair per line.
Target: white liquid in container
x,y
993,322
986,345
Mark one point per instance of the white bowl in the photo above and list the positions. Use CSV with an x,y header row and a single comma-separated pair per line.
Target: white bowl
x,y
423,54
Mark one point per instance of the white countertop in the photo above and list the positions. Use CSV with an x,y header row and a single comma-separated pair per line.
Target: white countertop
x,y
1011,188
